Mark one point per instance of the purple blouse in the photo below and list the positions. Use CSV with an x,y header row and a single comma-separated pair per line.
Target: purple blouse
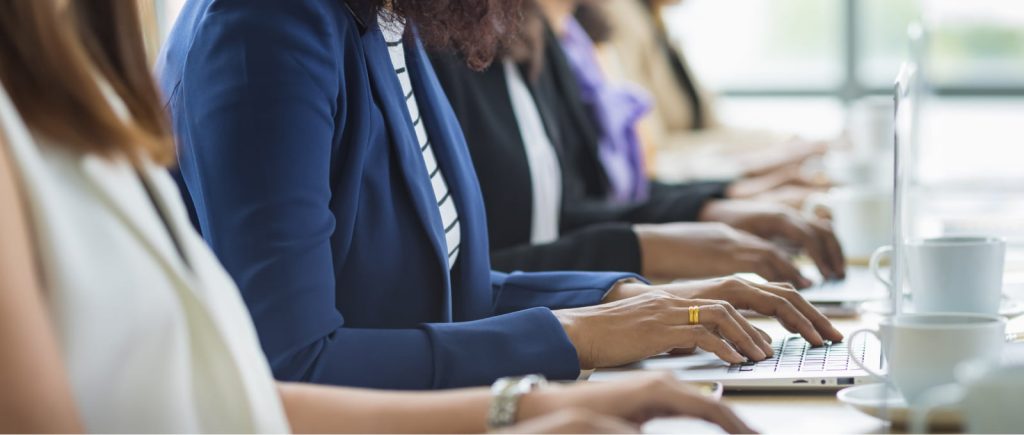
x,y
617,109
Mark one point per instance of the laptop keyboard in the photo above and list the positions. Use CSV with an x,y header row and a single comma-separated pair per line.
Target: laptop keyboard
x,y
794,354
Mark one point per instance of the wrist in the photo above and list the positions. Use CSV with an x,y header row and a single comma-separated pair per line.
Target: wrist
x,y
569,324
709,213
624,289
507,399
651,253
540,402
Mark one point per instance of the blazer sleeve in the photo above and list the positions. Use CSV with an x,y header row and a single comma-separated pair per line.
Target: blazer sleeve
x,y
518,291
259,98
666,204
601,247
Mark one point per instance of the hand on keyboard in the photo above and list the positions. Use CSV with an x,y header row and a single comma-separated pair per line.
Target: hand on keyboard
x,y
778,300
638,321
794,354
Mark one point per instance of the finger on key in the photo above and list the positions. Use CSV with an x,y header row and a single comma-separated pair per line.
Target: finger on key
x,y
699,337
832,246
820,322
759,337
768,303
716,318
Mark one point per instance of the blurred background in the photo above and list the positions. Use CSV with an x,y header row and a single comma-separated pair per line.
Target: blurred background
x,y
802,65
805,66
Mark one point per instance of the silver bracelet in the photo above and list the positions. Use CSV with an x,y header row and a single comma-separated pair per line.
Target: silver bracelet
x,y
506,393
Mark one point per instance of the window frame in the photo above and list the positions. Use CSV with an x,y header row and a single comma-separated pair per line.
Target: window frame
x,y
851,86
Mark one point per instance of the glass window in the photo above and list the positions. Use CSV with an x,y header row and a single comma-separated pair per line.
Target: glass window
x,y
976,44
882,30
757,44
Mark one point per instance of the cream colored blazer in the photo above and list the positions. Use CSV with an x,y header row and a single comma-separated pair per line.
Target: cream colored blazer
x,y
151,344
676,152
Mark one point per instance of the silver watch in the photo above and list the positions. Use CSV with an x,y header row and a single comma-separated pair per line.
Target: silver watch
x,y
506,393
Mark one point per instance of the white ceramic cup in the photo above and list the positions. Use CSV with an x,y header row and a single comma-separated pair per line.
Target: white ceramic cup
x,y
861,217
952,274
924,350
988,398
870,125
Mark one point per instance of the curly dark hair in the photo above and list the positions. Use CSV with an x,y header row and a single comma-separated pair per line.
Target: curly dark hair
x,y
478,30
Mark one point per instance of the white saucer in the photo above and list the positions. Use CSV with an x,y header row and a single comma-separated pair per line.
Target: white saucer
x,y
1007,308
890,406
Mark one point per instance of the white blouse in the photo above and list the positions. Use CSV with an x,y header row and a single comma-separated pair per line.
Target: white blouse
x,y
152,341
545,172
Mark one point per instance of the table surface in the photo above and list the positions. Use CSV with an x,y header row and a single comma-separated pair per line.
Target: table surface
x,y
817,412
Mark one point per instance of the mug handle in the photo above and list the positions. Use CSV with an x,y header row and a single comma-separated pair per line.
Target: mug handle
x,y
932,398
876,265
814,202
856,359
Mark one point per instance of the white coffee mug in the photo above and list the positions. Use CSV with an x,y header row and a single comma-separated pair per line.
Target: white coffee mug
x,y
923,350
952,274
988,398
861,217
870,125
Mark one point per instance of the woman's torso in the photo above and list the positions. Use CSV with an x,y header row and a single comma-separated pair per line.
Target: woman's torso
x,y
371,208
152,343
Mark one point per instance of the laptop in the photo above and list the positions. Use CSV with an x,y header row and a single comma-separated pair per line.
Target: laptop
x,y
860,285
794,366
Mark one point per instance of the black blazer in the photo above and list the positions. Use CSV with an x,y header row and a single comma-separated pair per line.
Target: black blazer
x,y
596,234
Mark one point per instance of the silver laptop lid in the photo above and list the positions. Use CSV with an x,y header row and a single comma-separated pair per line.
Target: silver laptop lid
x,y
907,94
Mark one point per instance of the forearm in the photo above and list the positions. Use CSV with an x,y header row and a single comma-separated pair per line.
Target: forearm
x,y
317,409
35,393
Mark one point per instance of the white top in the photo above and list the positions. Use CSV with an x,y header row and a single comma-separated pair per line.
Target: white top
x,y
545,172
393,29
150,344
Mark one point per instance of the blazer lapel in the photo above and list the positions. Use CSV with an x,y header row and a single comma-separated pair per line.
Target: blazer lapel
x,y
112,179
391,102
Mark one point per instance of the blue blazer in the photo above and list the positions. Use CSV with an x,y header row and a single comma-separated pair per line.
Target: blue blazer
x,y
303,170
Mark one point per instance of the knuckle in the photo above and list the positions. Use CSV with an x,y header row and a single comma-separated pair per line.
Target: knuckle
x,y
715,310
725,307
788,291
661,294
730,283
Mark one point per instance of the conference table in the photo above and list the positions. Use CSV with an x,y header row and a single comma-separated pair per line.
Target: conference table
x,y
805,412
